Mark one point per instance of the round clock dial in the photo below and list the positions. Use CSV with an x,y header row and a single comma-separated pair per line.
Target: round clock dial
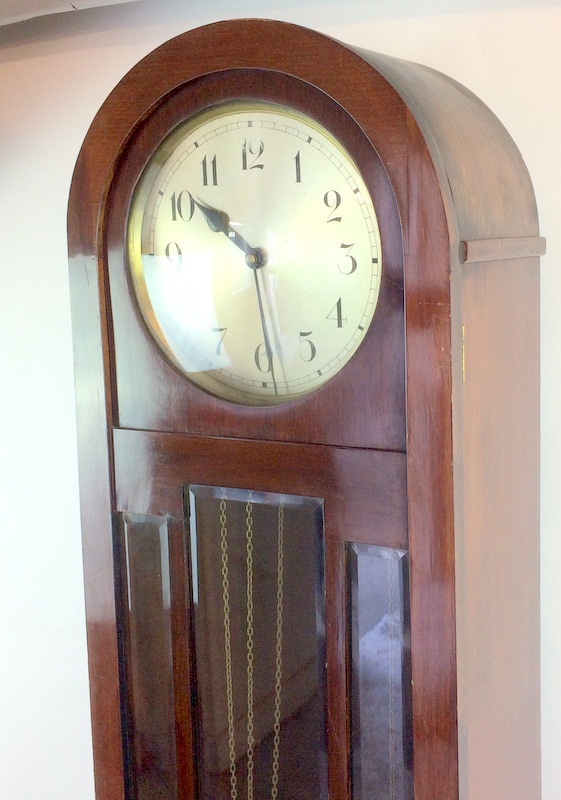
x,y
254,252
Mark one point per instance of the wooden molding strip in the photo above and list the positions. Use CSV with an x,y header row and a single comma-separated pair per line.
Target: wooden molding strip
x,y
501,249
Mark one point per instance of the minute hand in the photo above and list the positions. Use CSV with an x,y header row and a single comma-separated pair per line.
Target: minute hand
x,y
219,222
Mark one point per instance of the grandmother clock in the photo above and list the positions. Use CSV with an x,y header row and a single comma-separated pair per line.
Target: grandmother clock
x,y
305,298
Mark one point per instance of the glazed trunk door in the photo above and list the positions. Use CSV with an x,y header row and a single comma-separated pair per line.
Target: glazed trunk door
x,y
264,611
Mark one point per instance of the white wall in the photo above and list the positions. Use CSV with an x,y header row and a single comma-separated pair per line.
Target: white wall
x,y
54,74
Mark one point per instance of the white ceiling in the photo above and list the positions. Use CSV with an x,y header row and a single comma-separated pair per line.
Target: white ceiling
x,y
17,10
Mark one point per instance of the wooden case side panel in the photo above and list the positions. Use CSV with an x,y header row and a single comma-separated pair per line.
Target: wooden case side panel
x,y
498,544
97,546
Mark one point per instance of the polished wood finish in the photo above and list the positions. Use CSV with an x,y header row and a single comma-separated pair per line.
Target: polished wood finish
x,y
96,482
497,542
152,467
456,450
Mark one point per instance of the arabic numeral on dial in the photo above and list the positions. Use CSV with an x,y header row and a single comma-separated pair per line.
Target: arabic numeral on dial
x,y
350,261
308,349
297,167
250,148
210,176
332,200
263,358
173,252
336,314
222,334
181,208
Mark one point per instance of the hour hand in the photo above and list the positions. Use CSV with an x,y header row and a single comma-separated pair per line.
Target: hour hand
x,y
219,222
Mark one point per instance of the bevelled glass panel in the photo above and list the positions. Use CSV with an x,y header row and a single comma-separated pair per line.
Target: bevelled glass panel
x,y
149,665
382,765
259,619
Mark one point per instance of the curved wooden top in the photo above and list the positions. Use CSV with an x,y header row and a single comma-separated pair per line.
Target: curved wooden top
x,y
479,165
481,173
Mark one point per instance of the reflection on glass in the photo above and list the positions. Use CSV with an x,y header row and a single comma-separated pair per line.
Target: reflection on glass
x,y
380,702
259,617
149,663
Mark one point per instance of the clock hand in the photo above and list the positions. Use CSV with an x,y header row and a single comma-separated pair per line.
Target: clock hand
x,y
219,222
268,348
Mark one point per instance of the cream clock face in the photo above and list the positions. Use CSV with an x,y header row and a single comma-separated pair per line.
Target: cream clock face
x,y
255,253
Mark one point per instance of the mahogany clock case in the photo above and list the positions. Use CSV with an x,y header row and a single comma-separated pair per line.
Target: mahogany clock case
x,y
386,442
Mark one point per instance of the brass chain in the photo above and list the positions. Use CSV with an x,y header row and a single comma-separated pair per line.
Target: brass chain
x,y
249,634
228,645
250,648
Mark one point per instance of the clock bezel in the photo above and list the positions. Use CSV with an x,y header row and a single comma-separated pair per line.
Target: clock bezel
x,y
140,219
